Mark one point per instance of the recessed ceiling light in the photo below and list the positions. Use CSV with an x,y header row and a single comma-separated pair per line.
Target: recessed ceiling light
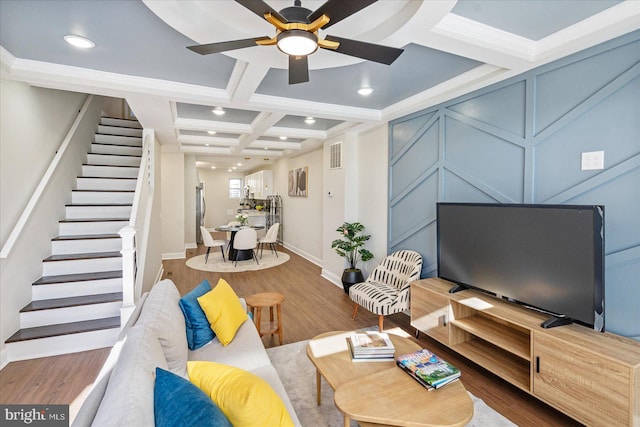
x,y
218,111
229,170
234,168
213,167
239,164
208,145
211,132
78,41
283,138
266,148
364,91
309,120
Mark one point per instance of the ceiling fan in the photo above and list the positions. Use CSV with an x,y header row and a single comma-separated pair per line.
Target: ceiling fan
x,y
297,35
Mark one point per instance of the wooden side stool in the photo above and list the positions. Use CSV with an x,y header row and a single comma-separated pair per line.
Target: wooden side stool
x,y
257,302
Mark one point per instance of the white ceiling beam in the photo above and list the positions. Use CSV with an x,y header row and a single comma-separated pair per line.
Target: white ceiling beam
x,y
204,125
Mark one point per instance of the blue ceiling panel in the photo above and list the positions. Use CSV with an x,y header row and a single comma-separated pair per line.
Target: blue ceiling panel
x,y
528,18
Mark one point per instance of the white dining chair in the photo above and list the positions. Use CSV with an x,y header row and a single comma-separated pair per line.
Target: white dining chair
x,y
246,239
231,224
271,238
210,242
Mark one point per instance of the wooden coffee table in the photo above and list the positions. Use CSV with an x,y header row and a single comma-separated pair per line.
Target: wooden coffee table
x,y
380,393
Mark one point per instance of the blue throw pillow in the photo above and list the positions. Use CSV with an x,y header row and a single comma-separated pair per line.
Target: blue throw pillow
x,y
179,403
199,330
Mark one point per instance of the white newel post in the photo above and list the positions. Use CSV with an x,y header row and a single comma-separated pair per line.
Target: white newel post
x,y
128,252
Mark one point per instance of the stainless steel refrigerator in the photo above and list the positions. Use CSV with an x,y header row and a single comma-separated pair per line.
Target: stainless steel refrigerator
x,y
201,207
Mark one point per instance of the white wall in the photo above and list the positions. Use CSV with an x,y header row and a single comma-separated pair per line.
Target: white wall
x,y
190,184
302,229
33,122
172,204
372,154
216,194
359,193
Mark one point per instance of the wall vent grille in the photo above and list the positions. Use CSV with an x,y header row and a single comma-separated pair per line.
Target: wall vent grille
x,y
336,156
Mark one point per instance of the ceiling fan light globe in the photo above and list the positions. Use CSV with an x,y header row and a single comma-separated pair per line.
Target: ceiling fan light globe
x,y
297,42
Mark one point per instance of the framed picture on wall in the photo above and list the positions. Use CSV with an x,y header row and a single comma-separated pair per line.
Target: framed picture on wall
x,y
298,182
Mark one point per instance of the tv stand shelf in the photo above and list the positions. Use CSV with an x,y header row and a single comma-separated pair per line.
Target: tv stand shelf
x,y
593,377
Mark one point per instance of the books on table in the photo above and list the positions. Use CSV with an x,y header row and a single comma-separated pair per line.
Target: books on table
x,y
370,346
428,369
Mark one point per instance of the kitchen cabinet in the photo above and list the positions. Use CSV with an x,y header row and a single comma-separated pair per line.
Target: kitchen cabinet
x,y
260,184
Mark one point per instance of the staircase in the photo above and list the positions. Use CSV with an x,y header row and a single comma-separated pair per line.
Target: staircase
x,y
76,303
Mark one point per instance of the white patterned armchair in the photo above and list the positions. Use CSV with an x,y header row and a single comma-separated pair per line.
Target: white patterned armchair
x,y
386,290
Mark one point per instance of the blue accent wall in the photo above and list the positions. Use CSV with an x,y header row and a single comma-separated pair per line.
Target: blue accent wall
x,y
520,141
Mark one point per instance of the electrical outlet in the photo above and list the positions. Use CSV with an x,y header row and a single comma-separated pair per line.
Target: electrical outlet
x,y
592,160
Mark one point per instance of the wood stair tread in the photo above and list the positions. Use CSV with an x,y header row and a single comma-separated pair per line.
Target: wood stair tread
x,y
64,329
79,277
94,255
108,166
98,204
93,219
48,304
87,237
115,155
106,177
104,191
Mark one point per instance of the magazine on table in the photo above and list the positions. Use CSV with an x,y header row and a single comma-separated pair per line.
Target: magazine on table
x,y
371,343
428,368
368,357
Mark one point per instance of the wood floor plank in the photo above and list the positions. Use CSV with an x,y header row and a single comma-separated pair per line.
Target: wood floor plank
x,y
313,305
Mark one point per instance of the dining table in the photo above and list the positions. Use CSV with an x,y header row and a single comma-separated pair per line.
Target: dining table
x,y
235,254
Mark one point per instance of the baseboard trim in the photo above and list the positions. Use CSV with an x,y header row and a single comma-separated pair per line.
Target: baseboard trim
x,y
174,255
303,254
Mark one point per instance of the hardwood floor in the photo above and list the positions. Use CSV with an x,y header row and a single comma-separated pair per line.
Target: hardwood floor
x,y
313,305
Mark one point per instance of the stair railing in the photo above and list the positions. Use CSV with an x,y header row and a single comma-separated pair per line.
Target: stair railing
x,y
135,235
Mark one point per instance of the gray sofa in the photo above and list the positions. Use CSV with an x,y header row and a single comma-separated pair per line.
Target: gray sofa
x,y
122,395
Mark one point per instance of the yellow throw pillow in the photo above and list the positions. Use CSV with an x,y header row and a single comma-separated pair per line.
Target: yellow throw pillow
x,y
246,399
223,310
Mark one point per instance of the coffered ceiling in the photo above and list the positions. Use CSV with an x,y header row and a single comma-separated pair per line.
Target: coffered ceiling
x,y
450,48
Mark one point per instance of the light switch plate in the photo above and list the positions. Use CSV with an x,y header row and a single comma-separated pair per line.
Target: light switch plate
x,y
592,160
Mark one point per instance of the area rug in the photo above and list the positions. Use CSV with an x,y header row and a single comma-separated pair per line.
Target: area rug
x,y
216,264
298,376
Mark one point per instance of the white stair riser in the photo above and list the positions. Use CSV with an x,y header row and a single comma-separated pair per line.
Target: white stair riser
x,y
84,212
119,140
116,149
109,171
111,160
108,121
78,266
75,289
79,313
101,197
117,130
106,184
85,246
63,344
80,228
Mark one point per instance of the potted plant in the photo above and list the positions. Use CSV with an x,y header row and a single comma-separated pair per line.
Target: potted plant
x,y
350,247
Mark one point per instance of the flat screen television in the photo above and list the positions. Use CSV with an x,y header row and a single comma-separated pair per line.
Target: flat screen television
x,y
546,257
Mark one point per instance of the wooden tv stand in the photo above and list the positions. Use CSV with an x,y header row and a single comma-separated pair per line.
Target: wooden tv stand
x,y
593,377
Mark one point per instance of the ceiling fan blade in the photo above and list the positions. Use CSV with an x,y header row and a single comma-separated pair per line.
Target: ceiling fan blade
x,y
368,51
337,10
206,49
298,69
260,8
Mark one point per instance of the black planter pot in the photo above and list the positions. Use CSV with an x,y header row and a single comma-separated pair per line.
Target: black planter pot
x,y
350,277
